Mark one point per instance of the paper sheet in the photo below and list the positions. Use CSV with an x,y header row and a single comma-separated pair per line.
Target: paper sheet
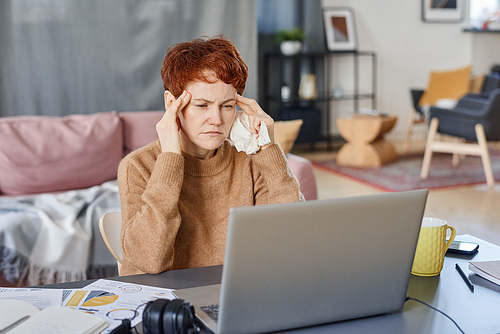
x,y
114,301
37,297
110,300
60,320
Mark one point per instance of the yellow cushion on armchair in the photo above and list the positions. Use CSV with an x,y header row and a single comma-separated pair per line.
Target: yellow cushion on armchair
x,y
446,85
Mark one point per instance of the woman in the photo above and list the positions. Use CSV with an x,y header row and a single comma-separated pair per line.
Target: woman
x,y
176,192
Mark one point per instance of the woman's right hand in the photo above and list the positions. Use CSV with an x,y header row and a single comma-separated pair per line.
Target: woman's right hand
x,y
168,127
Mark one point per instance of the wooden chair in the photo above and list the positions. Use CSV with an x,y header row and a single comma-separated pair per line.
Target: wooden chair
x,y
110,226
475,121
416,117
481,87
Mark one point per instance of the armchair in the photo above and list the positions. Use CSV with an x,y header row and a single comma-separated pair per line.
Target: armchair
x,y
485,87
449,85
490,83
474,121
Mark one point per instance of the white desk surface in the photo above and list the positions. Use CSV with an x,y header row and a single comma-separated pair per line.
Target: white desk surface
x,y
477,312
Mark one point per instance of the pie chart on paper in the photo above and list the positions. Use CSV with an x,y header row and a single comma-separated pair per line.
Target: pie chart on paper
x,y
100,301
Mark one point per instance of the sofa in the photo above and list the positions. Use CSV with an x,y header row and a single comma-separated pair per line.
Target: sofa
x,y
58,176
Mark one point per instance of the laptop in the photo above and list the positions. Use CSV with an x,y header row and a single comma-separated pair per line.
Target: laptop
x,y
306,263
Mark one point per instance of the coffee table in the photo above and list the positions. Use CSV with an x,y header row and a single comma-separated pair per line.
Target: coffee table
x,y
366,146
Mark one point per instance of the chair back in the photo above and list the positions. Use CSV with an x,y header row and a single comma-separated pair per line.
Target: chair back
x,y
491,82
460,122
491,121
110,226
416,94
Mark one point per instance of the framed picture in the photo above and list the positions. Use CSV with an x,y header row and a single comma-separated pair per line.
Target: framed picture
x,y
339,29
442,10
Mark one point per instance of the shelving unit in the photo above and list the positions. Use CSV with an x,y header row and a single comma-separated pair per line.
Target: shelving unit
x,y
280,70
482,31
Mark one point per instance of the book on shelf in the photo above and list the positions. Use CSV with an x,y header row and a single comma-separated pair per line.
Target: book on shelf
x,y
489,270
27,318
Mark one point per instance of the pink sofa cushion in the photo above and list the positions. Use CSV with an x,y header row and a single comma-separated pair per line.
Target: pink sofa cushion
x,y
41,154
303,170
139,128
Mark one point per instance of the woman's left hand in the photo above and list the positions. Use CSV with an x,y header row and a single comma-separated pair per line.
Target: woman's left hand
x,y
255,116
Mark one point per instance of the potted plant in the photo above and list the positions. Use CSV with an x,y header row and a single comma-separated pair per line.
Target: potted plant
x,y
290,40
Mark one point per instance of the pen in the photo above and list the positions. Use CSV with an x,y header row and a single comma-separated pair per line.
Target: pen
x,y
464,277
14,324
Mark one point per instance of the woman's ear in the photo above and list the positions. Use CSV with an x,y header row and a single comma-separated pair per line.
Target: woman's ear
x,y
169,99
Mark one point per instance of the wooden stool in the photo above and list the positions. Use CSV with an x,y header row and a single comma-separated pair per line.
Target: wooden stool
x,y
366,146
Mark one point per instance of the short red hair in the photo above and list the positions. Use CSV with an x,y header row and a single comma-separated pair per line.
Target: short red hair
x,y
188,62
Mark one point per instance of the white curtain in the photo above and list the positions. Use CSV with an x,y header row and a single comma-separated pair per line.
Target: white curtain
x,y
61,57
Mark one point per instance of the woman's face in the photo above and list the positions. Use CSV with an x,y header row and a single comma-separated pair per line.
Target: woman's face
x,y
208,117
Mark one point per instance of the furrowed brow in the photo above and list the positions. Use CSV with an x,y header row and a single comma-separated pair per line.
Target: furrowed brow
x,y
202,100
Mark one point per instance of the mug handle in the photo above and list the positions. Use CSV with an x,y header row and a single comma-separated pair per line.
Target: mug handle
x,y
452,237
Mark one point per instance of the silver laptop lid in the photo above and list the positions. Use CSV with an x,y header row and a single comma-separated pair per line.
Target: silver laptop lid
x,y
300,264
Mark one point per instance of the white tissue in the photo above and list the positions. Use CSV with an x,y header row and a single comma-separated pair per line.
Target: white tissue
x,y
244,139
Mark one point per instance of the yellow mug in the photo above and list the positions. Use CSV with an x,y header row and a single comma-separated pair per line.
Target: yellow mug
x,y
431,247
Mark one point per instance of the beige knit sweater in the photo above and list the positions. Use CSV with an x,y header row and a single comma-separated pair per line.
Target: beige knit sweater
x,y
175,207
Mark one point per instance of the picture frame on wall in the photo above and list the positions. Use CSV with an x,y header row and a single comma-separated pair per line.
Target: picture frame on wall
x,y
442,10
340,30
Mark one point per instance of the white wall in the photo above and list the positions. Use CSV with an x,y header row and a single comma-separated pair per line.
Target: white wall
x,y
408,49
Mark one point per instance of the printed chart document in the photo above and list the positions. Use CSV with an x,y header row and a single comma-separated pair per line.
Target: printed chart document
x,y
108,301
114,301
39,298
53,319
487,269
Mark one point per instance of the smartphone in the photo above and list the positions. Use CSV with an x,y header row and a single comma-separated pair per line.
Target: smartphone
x,y
463,247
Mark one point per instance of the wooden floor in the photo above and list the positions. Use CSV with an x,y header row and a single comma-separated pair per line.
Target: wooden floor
x,y
471,210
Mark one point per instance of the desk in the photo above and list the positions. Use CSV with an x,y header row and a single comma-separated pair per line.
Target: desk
x,y
366,146
474,312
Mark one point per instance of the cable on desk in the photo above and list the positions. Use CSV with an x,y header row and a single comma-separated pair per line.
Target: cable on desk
x,y
135,314
435,309
125,326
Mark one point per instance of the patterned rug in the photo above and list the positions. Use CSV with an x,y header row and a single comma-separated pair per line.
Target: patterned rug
x,y
404,173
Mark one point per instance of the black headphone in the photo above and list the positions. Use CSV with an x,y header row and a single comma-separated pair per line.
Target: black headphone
x,y
164,316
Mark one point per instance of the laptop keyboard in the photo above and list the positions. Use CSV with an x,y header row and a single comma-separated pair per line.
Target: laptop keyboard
x,y
212,311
